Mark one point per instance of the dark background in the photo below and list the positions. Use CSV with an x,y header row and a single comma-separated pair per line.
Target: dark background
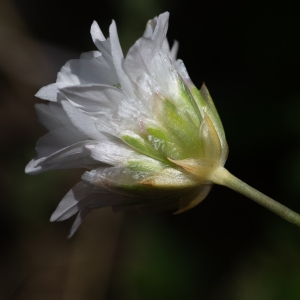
x,y
228,247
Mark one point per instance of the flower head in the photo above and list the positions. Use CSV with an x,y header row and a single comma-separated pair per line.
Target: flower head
x,y
147,136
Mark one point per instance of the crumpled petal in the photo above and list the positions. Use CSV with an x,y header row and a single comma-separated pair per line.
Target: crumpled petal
x,y
74,156
48,92
56,140
81,121
52,115
80,200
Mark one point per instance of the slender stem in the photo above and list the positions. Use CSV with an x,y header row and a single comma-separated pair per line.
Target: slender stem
x,y
223,177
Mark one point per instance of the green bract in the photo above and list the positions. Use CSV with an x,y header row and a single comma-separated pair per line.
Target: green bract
x,y
188,140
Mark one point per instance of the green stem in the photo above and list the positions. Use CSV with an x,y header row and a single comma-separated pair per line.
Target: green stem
x,y
221,176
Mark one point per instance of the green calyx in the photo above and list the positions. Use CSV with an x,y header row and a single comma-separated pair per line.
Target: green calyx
x,y
182,142
143,146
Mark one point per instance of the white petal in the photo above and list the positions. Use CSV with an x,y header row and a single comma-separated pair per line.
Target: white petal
x,y
105,124
139,58
86,71
161,29
57,139
74,156
112,153
46,117
145,57
81,121
96,32
150,26
48,92
83,195
97,198
102,44
118,59
156,30
70,204
90,55
33,167
166,47
124,119
79,218
66,77
94,97
181,69
52,115
174,51
81,199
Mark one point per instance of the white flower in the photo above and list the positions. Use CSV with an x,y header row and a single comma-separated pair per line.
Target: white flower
x,y
148,137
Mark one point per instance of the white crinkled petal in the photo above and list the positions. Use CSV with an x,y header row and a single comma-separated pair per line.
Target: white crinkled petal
x,y
57,139
81,121
74,156
166,48
66,77
81,199
48,92
105,124
102,198
47,118
70,204
150,26
156,30
96,33
146,57
147,91
181,69
94,98
161,28
52,116
138,59
86,71
97,55
78,220
121,116
97,199
112,153
90,55
165,75
174,51
102,44
81,195
116,125
118,59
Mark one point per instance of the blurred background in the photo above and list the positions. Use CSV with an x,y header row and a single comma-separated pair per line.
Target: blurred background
x,y
228,247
